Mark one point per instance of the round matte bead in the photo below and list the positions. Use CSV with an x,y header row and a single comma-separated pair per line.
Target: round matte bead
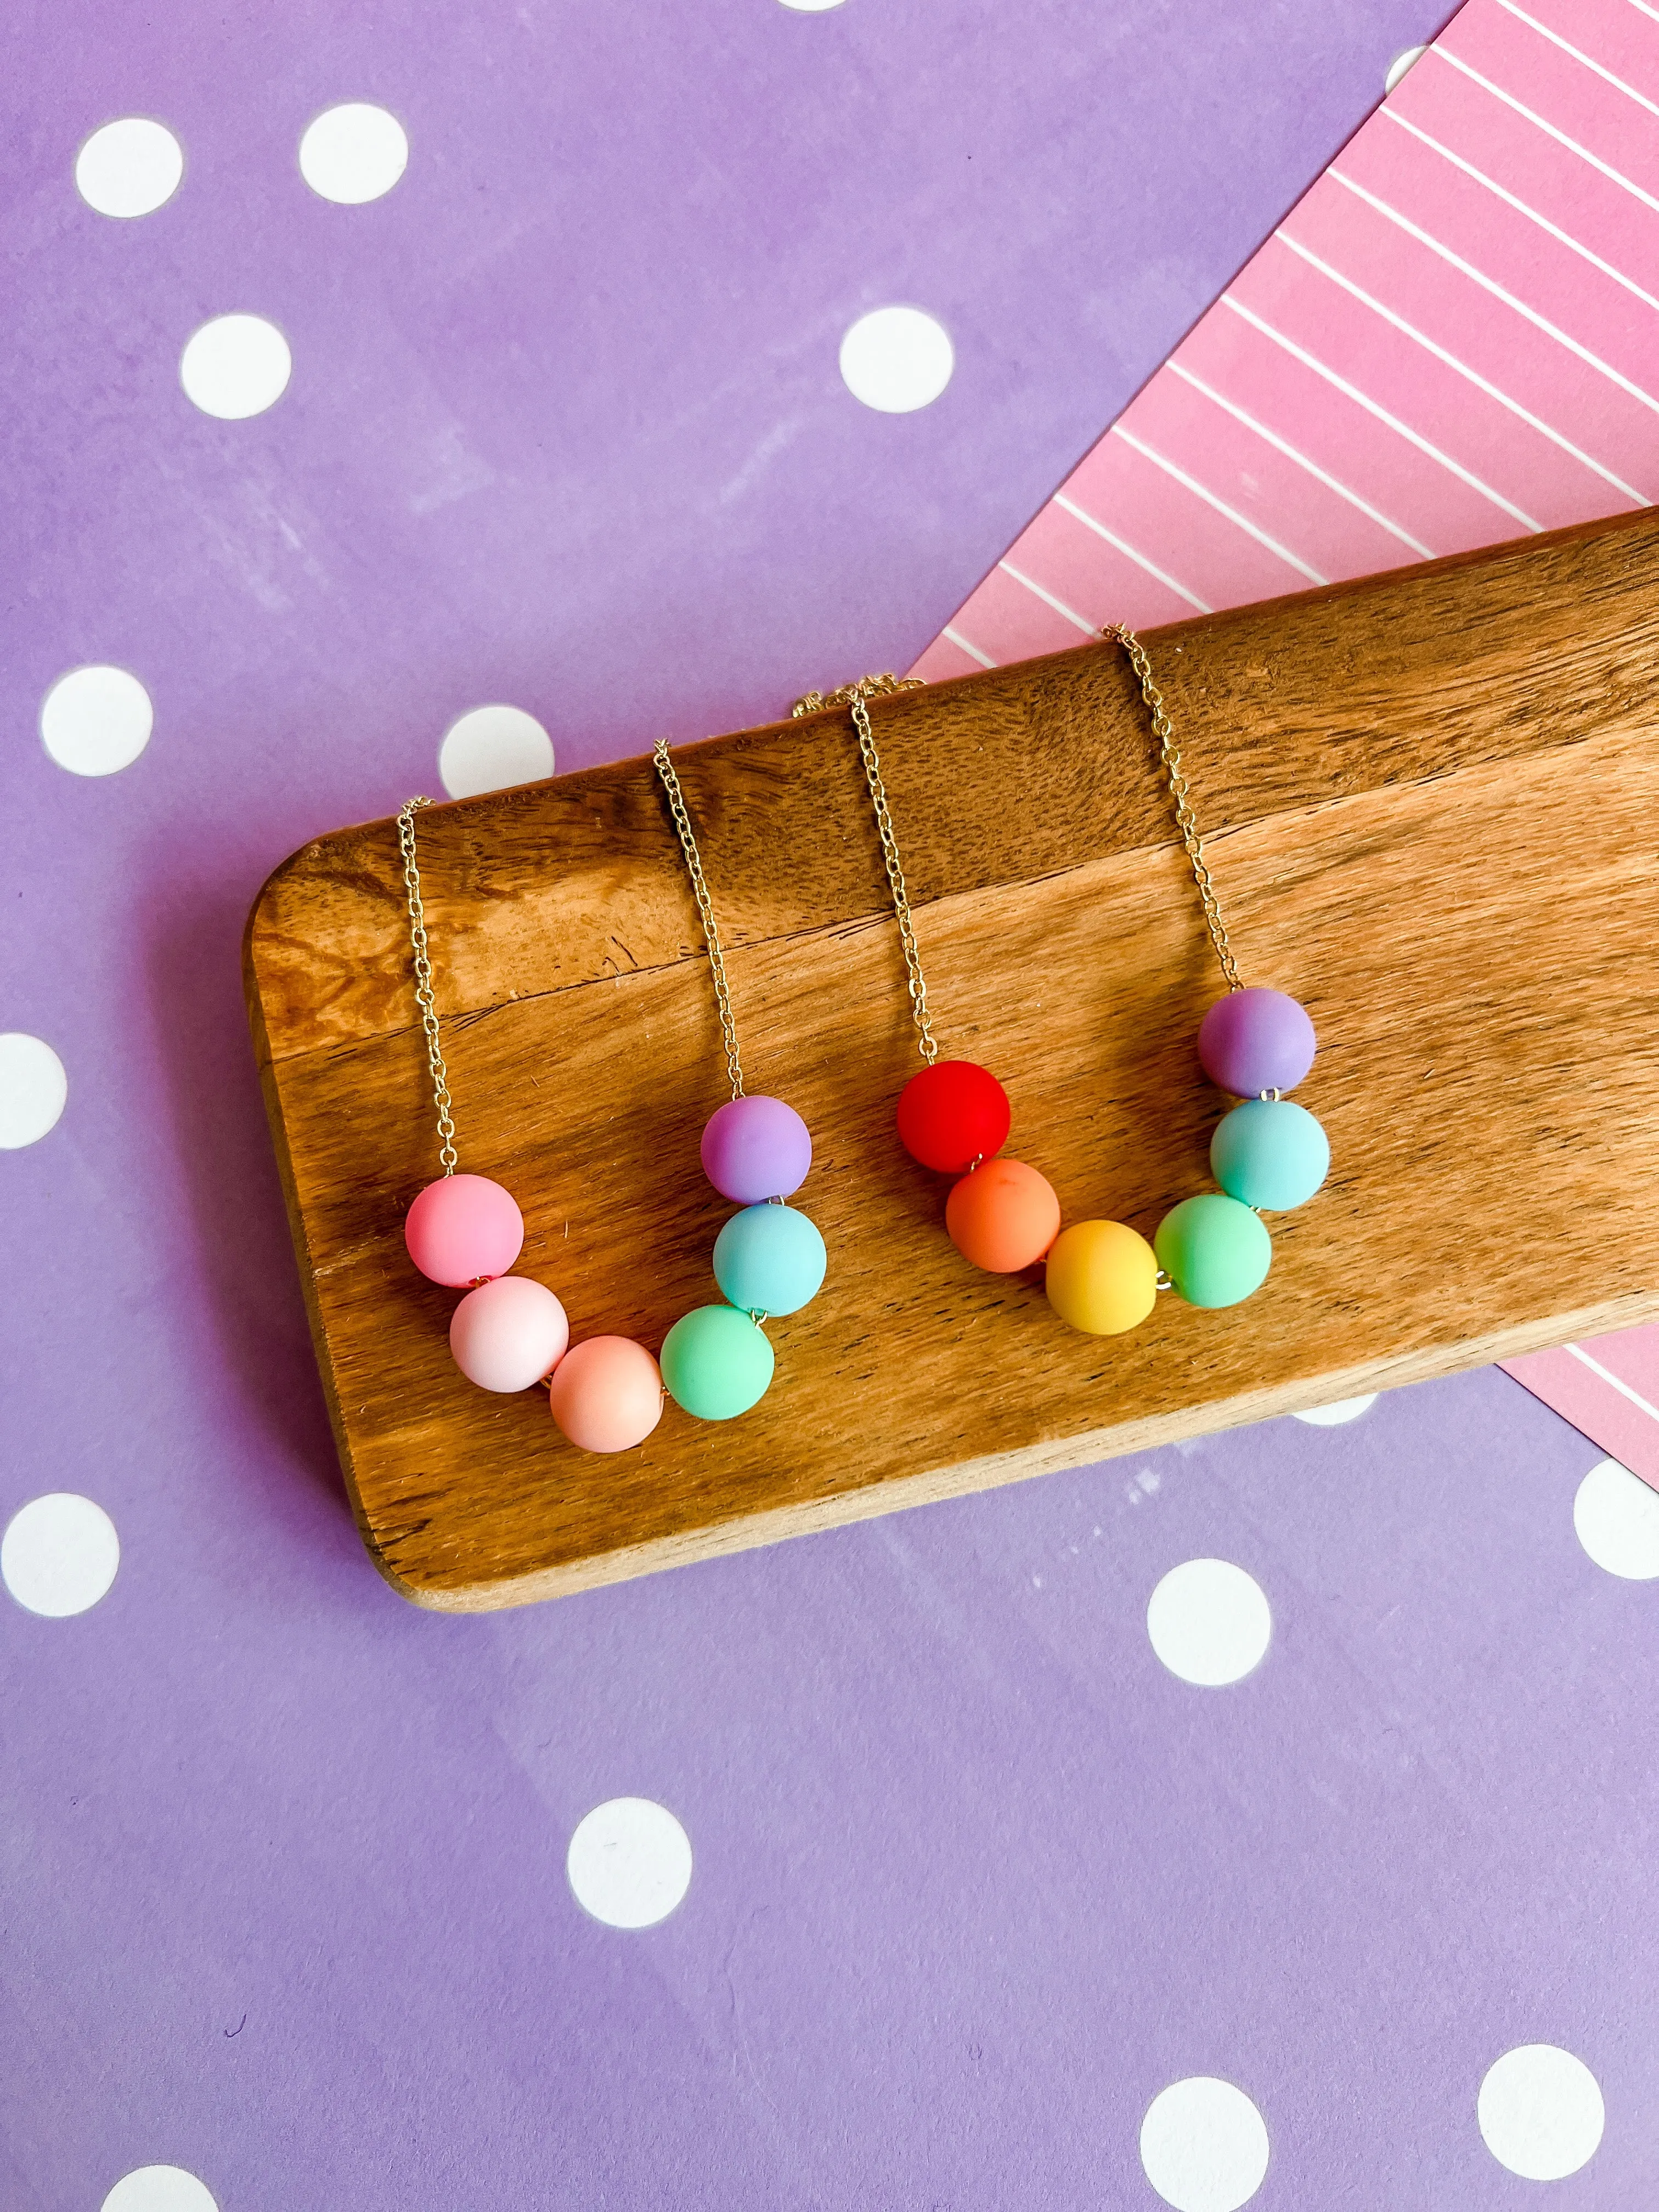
x,y
1003,1216
1270,1152
1255,1041
606,1394
952,1115
1102,1277
755,1149
1214,1249
770,1259
508,1334
715,1363
464,1229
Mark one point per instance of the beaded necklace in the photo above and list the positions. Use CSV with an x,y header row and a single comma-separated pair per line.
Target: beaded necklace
x,y
510,1333
1269,1154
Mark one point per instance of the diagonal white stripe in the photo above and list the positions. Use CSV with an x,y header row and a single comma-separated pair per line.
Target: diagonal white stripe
x,y
1373,407
1129,553
1623,1388
1419,338
1490,284
1089,629
1284,445
1548,129
966,645
1646,10
1202,491
1556,40
1520,207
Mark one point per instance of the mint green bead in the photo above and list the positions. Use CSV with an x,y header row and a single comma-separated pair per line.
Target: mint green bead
x,y
715,1363
1214,1249
770,1259
1270,1152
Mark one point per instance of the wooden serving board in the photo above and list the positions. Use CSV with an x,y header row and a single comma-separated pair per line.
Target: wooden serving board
x,y
1433,803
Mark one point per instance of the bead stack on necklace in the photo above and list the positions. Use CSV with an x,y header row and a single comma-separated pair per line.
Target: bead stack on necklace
x,y
509,1333
770,1259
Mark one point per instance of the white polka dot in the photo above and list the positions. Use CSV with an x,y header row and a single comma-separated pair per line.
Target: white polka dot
x,y
1204,2146
1540,2112
1340,1410
630,1862
1616,1518
96,720
129,167
490,748
811,7
896,360
59,1554
33,1090
160,2189
1399,65
1209,1622
354,152
236,366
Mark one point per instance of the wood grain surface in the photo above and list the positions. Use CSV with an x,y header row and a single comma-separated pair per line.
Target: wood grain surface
x,y
1431,801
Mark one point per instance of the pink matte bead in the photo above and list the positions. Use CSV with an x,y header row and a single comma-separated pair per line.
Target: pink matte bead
x,y
756,1149
508,1334
464,1229
606,1394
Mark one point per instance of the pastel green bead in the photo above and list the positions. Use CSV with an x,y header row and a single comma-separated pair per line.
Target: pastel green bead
x,y
715,1363
770,1259
1214,1249
1270,1152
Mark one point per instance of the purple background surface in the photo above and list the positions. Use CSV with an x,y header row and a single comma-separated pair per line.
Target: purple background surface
x,y
283,1860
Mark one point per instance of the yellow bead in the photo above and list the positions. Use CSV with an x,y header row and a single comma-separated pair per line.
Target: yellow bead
x,y
1102,1278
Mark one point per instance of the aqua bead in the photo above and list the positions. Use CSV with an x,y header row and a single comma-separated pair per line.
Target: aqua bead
x,y
716,1364
770,1259
1214,1249
1270,1152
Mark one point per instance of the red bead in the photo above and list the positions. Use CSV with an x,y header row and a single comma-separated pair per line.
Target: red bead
x,y
952,1115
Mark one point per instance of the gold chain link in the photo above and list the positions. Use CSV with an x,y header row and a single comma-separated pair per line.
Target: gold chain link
x,y
424,993
1186,822
670,784
855,696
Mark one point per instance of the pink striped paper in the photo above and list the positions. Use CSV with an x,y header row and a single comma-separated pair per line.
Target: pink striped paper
x,y
1453,339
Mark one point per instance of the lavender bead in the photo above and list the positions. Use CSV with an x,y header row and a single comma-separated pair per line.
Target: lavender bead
x,y
756,1149
1255,1041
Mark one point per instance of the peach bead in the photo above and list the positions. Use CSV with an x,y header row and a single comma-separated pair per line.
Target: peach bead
x,y
508,1334
1003,1216
606,1394
464,1229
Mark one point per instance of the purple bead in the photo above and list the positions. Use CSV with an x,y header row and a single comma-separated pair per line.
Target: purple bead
x,y
1255,1041
756,1149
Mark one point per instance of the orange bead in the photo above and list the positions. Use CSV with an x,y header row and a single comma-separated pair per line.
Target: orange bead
x,y
1003,1216
606,1394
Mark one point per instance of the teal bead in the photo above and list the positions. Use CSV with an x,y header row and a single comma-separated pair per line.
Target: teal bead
x,y
715,1363
770,1259
1270,1152
1214,1249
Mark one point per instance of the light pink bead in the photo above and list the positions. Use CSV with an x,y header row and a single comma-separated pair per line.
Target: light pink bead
x,y
607,1394
508,1333
464,1229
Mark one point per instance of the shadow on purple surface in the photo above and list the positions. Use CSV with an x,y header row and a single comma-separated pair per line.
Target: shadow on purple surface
x,y
222,1144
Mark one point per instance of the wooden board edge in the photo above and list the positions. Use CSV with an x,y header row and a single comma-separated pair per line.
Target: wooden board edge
x,y
937,1485
306,1270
